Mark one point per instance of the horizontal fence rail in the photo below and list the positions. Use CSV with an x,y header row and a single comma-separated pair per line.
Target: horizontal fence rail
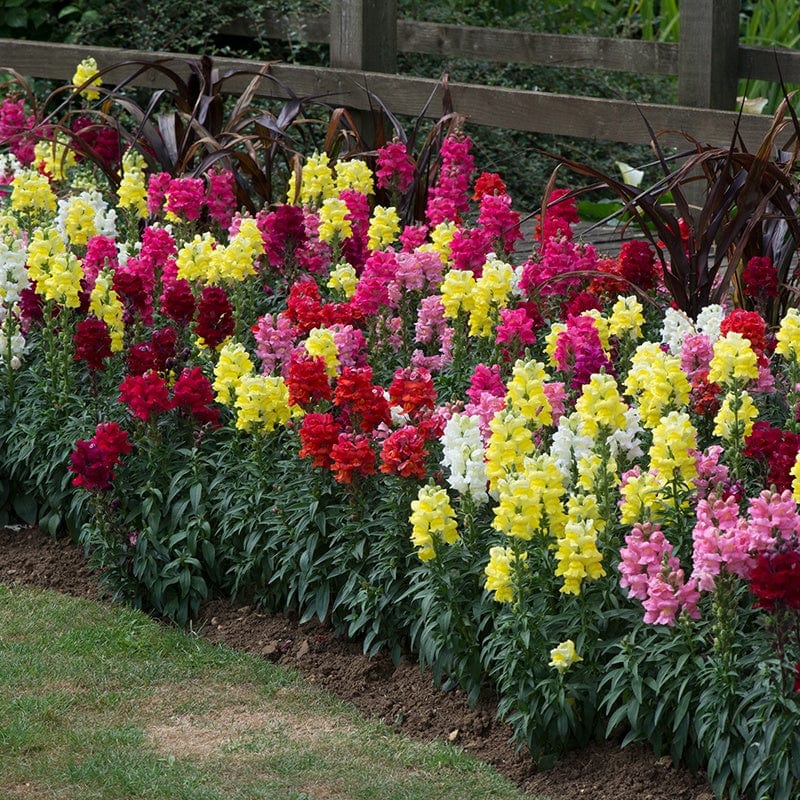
x,y
513,109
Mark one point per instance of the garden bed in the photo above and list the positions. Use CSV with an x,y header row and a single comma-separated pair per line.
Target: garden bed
x,y
402,696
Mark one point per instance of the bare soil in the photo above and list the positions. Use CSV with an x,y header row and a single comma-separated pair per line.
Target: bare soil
x,y
403,696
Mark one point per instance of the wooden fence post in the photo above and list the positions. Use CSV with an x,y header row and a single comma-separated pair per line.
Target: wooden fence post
x,y
708,53
364,37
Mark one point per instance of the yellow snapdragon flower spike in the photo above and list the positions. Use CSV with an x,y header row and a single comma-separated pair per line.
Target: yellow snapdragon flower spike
x,y
262,403
432,521
57,157
195,259
498,573
354,174
601,325
729,423
384,226
44,246
236,262
577,554
79,222
31,193
657,383
320,342
234,363
105,304
564,656
510,441
491,292
672,454
343,279
83,72
333,221
640,499
132,189
788,336
734,360
316,181
442,238
600,406
526,392
551,341
61,283
627,318
457,290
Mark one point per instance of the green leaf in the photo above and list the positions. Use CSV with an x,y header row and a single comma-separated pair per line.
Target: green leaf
x,y
195,493
25,507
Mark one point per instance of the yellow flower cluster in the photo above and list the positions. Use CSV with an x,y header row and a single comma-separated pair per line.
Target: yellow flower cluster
x,y
316,181
526,392
343,279
86,70
132,189
590,468
788,336
236,262
577,553
734,360
233,365
640,499
564,656
320,342
530,502
457,291
354,174
79,220
672,452
433,521
105,304
442,238
333,222
551,341
626,318
509,443
657,383
491,292
56,271
600,406
31,193
195,258
262,403
601,325
735,417
498,573
56,156
384,226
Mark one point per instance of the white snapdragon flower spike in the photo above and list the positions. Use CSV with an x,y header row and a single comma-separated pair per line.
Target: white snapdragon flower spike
x,y
674,330
569,445
627,442
13,273
9,166
464,457
709,320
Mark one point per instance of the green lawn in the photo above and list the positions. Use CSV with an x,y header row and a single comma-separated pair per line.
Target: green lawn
x,y
102,702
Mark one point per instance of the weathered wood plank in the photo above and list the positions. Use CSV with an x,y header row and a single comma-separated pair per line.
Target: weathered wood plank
x,y
768,64
492,44
363,35
591,118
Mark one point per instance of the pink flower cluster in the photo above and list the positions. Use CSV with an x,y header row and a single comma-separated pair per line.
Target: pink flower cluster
x,y
449,197
653,575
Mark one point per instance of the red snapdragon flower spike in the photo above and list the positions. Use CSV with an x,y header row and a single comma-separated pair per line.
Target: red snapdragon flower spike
x,y
98,139
93,460
778,448
164,341
750,324
351,456
145,395
307,380
394,167
194,394
775,580
360,399
304,305
760,278
318,434
177,302
488,183
403,453
559,218
705,396
92,343
215,322
412,389
638,264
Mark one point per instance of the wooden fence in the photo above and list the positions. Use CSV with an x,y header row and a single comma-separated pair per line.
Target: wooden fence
x,y
365,37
